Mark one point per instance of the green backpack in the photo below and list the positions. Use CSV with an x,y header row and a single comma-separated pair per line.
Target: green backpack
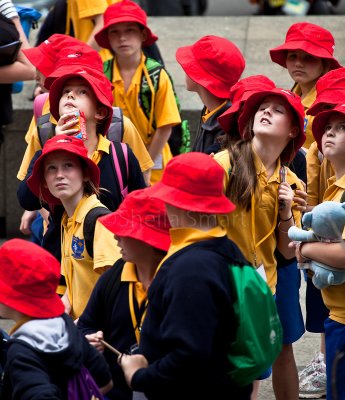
x,y
179,140
259,336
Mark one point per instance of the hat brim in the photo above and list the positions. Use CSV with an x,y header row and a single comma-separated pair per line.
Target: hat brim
x,y
229,117
102,36
57,85
252,104
278,54
191,202
38,307
39,60
330,97
120,225
187,60
36,179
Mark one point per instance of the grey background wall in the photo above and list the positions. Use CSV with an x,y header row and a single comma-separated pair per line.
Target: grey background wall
x,y
253,35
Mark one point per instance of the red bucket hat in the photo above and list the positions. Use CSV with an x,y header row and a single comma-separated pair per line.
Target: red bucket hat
x,y
330,89
198,62
194,182
311,38
44,56
239,93
99,83
140,217
321,120
67,143
29,277
252,104
72,58
124,11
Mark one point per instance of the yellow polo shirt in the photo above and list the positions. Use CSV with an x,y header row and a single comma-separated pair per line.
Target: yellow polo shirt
x,y
80,270
81,13
308,119
334,296
130,136
165,109
319,170
265,214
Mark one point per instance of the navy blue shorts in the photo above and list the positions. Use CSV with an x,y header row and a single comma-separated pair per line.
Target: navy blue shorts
x,y
288,304
335,359
316,311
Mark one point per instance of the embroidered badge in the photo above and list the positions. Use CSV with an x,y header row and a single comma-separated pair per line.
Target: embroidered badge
x,y
77,247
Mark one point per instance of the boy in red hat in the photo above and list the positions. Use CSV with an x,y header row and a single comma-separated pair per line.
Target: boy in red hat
x,y
116,309
187,328
329,133
125,33
204,64
64,174
45,349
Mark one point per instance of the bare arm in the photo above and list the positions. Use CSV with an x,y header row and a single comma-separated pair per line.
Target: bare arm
x,y
332,254
98,25
159,139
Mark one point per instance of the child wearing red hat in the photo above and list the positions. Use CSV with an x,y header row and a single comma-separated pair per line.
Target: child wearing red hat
x,y
204,64
186,329
271,132
125,33
307,54
64,174
329,133
45,348
116,308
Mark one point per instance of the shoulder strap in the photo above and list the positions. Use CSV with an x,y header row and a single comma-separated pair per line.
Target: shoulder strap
x,y
89,226
116,128
39,103
113,286
45,128
108,68
119,154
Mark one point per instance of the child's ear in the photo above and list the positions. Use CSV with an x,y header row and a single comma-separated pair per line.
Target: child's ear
x,y
101,113
294,132
144,35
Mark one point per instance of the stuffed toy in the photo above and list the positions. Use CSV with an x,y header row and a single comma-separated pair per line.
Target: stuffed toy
x,y
326,222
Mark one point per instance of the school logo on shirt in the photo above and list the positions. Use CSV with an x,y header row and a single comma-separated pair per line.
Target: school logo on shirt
x,y
77,247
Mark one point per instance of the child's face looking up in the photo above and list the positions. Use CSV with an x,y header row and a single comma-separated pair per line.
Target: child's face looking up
x,y
78,95
126,38
333,139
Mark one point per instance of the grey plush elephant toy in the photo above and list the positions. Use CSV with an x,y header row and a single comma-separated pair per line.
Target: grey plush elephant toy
x,y
326,222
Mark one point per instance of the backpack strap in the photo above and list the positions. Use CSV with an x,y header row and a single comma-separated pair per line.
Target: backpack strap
x,y
39,102
116,128
112,287
108,67
89,226
45,128
119,154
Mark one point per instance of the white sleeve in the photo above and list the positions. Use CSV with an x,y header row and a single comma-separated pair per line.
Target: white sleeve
x,y
8,9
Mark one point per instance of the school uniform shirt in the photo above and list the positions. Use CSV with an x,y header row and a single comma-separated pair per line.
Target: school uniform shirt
x,y
43,354
130,136
258,249
79,269
334,296
307,101
319,170
210,130
189,321
119,317
165,109
79,19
